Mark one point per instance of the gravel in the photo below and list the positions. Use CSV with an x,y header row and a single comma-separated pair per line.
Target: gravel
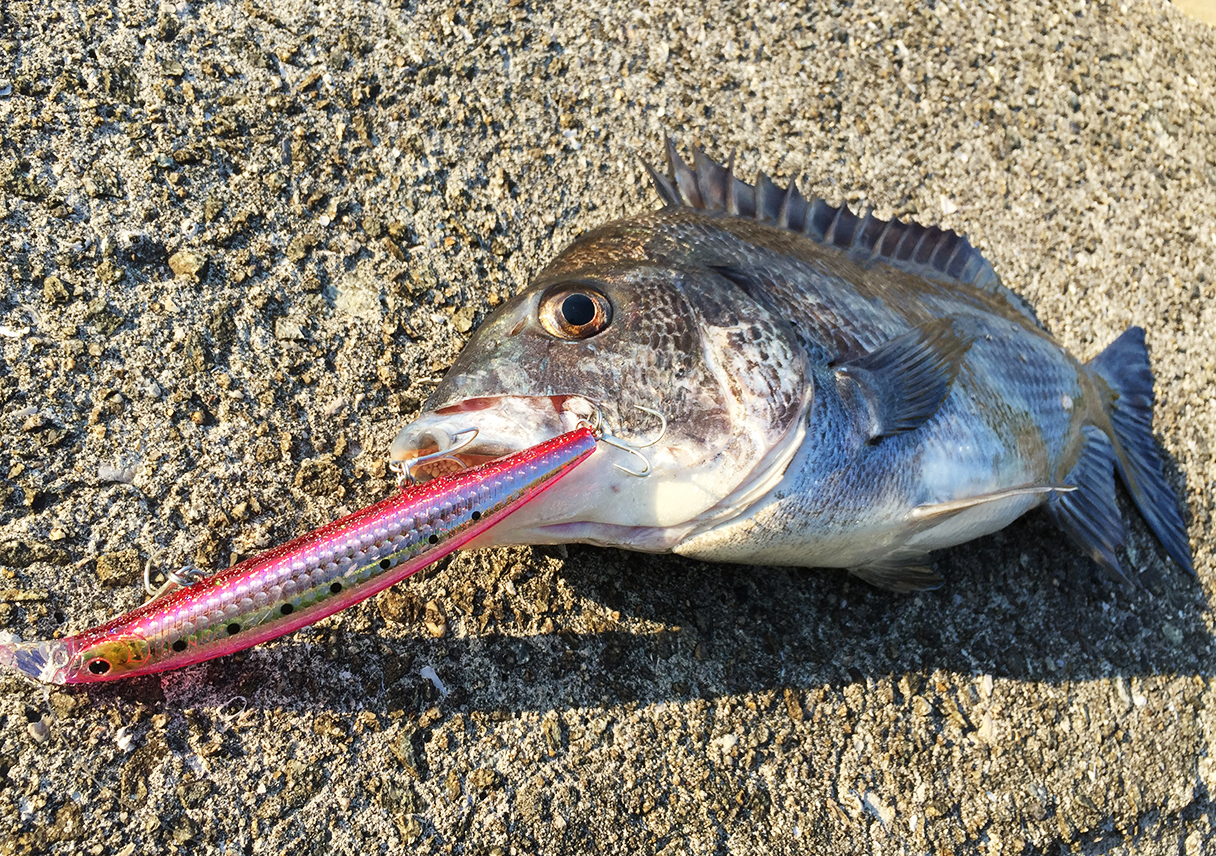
x,y
241,241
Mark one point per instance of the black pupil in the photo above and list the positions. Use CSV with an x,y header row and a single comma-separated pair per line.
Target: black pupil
x,y
234,629
578,309
434,539
179,645
99,667
334,588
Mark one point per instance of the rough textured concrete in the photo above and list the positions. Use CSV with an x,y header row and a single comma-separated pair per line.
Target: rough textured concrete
x,y
241,240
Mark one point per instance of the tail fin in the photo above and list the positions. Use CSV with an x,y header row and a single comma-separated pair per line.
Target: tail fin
x,y
1125,368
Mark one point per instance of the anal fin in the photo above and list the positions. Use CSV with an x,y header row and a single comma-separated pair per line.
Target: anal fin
x,y
905,381
900,574
1089,514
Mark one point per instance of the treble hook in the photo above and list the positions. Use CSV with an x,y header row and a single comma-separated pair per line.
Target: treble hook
x,y
173,579
405,469
606,436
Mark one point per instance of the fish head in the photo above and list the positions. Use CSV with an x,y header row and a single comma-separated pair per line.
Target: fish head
x,y
706,384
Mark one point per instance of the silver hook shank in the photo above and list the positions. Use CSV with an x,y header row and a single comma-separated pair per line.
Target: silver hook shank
x,y
405,469
605,435
173,580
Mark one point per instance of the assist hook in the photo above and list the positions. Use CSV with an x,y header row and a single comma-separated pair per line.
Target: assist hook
x,y
605,435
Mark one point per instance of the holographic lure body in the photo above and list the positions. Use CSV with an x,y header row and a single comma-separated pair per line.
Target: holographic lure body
x,y
306,579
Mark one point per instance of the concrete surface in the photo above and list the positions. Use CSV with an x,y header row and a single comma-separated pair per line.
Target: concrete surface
x,y
242,240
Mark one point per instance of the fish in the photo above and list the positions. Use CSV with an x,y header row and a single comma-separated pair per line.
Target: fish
x,y
308,578
832,390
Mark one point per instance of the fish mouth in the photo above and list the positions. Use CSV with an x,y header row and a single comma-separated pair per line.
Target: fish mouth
x,y
477,430
596,504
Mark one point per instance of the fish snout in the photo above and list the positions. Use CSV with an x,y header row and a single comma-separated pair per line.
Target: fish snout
x,y
475,431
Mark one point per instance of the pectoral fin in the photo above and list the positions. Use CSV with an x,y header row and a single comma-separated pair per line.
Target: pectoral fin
x,y
905,381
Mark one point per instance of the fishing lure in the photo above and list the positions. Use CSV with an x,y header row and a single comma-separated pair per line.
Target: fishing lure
x,y
306,579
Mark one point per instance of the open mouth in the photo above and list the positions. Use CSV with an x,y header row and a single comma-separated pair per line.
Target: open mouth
x,y
478,430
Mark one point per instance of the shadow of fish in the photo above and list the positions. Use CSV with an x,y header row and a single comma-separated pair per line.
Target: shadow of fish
x,y
838,391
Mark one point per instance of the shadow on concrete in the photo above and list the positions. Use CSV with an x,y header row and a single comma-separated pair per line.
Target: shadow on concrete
x,y
1021,605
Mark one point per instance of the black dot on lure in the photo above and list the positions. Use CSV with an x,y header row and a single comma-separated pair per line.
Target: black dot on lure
x,y
233,629
286,609
385,564
476,516
179,645
334,588
434,539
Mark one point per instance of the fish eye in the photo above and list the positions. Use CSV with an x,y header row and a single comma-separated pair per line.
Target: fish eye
x,y
575,311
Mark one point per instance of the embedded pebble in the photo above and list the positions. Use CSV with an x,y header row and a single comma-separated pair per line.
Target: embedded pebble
x,y
187,263
121,567
39,731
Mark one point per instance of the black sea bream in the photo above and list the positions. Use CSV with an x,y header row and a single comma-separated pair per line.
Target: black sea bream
x,y
839,391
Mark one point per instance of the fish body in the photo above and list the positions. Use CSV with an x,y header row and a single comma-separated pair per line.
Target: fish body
x,y
838,391
306,579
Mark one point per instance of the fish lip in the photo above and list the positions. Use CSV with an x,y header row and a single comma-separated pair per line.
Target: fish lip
x,y
504,424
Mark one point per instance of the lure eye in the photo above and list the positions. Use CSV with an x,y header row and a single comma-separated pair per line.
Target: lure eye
x,y
575,311
114,657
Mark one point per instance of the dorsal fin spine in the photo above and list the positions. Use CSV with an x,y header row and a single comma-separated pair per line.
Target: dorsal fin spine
x,y
819,211
959,247
682,177
829,235
923,250
732,190
796,207
929,236
862,243
878,242
911,239
783,216
949,250
767,206
709,186
846,227
662,186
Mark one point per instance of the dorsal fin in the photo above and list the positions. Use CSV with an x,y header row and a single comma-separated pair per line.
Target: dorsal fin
x,y
924,250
